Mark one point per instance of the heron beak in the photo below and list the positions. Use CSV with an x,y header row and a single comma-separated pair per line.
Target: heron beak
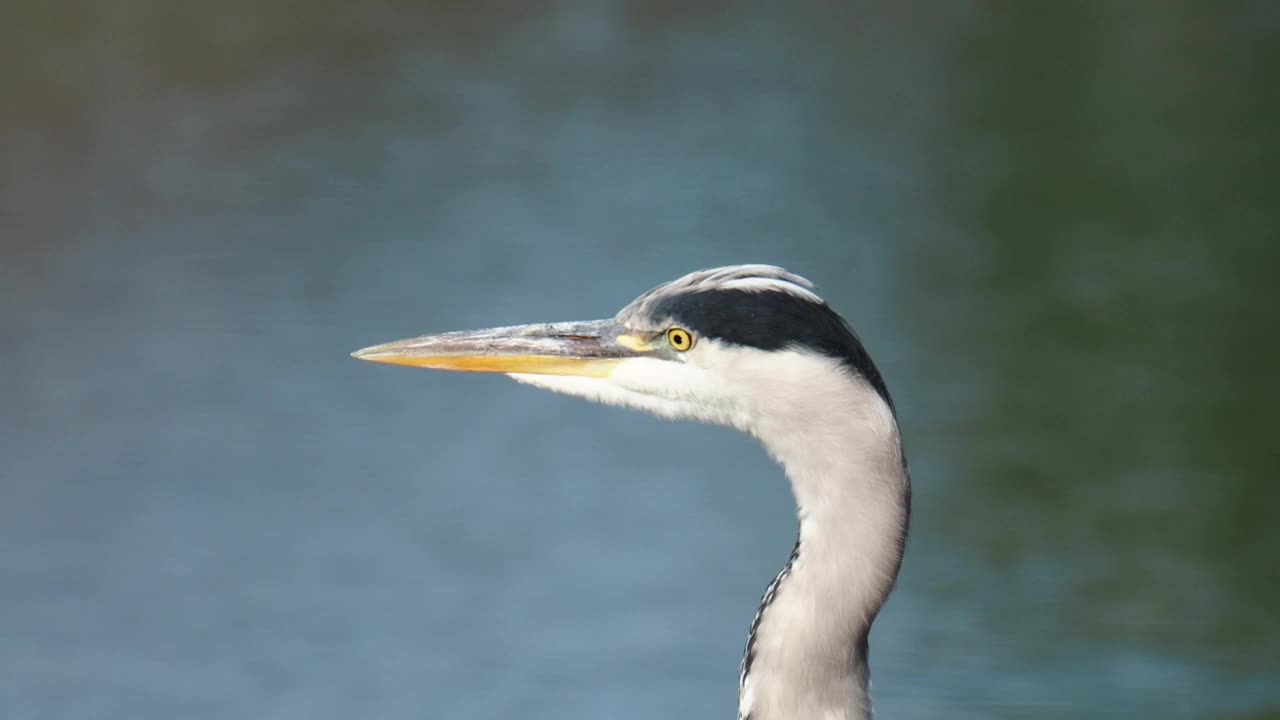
x,y
584,349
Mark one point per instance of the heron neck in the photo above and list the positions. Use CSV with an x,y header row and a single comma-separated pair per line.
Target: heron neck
x,y
807,654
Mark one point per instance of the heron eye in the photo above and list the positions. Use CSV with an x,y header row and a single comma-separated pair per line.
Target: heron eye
x,y
679,339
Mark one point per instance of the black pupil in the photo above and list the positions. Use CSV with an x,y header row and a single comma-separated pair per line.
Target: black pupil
x,y
677,338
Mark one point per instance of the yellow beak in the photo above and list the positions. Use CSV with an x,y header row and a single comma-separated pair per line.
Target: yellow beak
x,y
584,349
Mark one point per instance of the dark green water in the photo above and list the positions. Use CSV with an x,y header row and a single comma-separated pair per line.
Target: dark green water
x,y
1055,225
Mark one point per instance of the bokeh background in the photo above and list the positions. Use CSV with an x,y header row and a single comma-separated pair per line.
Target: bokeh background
x,y
1055,224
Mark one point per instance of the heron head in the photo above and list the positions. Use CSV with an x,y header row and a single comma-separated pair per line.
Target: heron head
x,y
743,346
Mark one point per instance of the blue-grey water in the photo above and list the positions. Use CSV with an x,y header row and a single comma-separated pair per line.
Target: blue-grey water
x,y
1054,224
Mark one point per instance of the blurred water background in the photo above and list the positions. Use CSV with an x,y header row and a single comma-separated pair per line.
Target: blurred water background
x,y
1054,224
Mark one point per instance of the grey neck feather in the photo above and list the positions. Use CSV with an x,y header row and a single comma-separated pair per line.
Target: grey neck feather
x,y
806,655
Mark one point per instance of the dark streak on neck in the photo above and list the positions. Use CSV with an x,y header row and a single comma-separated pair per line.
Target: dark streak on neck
x,y
770,592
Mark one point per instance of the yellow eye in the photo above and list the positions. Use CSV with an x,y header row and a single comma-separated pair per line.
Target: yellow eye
x,y
679,339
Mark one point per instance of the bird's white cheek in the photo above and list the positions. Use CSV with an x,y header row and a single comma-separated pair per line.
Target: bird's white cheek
x,y
699,392
669,379
646,375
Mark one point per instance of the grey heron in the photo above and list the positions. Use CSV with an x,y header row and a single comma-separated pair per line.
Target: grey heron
x,y
755,348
